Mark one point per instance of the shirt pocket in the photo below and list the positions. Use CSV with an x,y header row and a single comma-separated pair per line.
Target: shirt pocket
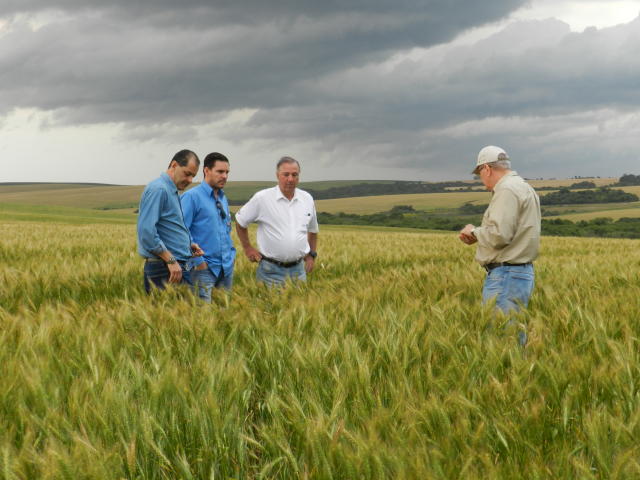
x,y
303,220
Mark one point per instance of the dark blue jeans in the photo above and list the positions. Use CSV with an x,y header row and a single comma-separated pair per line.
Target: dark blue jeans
x,y
156,275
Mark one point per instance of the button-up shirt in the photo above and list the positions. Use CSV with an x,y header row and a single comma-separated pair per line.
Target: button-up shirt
x,y
160,222
283,224
210,226
510,230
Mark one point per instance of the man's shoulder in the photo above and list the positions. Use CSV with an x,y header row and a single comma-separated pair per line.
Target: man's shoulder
x,y
266,193
517,186
304,194
512,181
156,185
191,193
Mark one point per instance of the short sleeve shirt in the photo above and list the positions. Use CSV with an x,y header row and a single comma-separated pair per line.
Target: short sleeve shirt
x,y
283,224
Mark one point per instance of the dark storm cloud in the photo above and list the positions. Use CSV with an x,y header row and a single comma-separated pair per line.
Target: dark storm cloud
x,y
518,71
534,85
257,11
157,61
334,77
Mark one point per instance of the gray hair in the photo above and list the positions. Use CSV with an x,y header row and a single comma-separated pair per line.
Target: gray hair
x,y
287,160
501,164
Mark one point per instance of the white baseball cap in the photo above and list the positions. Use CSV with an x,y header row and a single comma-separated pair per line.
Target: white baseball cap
x,y
490,154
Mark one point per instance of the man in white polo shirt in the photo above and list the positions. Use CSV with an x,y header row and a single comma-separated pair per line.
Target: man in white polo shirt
x,y
287,228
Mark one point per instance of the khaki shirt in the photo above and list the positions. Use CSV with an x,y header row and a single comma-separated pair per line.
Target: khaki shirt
x,y
510,230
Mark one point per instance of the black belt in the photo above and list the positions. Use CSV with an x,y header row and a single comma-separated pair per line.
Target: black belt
x,y
152,260
490,266
182,263
282,264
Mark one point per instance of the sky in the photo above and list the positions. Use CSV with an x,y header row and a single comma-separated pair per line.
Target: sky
x,y
107,92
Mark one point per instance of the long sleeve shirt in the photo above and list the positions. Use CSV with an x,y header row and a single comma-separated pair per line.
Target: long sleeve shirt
x,y
160,221
209,221
510,229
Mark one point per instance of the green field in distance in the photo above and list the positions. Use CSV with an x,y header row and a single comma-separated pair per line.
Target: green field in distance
x,y
123,200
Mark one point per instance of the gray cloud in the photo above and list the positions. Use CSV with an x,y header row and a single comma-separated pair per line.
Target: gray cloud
x,y
154,61
336,81
533,84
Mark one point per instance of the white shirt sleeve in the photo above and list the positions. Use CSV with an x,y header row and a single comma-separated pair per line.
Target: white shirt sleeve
x,y
313,224
249,212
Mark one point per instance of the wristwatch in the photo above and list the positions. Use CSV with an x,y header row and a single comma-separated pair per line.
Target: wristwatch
x,y
313,254
171,260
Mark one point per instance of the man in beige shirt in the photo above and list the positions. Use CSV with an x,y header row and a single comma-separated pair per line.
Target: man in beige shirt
x,y
509,237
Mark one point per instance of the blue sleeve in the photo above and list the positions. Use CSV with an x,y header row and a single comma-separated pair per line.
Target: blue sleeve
x,y
188,210
148,216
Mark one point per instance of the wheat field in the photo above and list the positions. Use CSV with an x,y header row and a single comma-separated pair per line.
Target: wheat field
x,y
383,365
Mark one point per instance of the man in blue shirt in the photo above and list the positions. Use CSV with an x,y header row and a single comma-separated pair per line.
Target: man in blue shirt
x,y
206,215
163,239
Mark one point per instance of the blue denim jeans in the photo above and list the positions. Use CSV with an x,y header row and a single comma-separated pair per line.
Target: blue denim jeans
x,y
156,275
205,281
274,275
511,286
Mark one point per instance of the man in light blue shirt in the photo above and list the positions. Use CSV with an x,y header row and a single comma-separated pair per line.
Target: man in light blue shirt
x,y
163,239
207,216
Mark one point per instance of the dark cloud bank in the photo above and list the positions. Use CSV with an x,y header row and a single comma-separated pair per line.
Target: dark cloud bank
x,y
319,73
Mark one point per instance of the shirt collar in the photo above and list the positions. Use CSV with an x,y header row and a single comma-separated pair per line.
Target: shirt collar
x,y
209,190
167,180
280,195
512,173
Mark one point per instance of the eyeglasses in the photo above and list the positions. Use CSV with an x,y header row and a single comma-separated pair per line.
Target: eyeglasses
x,y
223,214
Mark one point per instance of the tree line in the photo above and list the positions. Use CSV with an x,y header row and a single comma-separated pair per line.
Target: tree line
x,y
394,188
627,180
407,217
564,196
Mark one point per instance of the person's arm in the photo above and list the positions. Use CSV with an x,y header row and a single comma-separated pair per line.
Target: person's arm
x,y
309,260
312,238
249,213
500,225
189,211
148,237
243,234
148,216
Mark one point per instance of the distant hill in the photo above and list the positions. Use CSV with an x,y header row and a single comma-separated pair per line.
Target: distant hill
x,y
66,184
339,192
111,197
78,195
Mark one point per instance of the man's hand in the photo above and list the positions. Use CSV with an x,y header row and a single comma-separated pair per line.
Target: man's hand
x,y
243,234
466,236
175,272
196,251
252,254
309,262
